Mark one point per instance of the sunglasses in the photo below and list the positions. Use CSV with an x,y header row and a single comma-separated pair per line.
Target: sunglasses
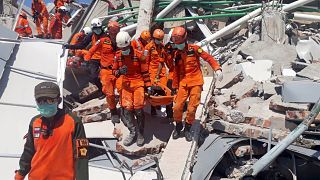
x,y
46,100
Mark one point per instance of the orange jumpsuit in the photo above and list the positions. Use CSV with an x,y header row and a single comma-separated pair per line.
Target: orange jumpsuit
x,y
107,52
55,28
40,8
157,56
76,39
188,79
137,44
23,28
133,83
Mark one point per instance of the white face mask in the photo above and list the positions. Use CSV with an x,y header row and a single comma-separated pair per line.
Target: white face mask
x,y
180,46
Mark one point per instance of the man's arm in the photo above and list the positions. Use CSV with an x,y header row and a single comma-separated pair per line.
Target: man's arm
x,y
80,145
93,49
81,45
207,57
28,153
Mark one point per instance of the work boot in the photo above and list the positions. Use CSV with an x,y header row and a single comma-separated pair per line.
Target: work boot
x,y
39,36
128,121
177,130
140,122
187,132
115,118
153,111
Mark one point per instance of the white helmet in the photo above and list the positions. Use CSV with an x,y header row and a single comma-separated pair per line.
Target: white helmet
x,y
87,30
96,22
63,8
123,39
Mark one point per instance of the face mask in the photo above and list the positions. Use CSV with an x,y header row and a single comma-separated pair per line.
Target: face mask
x,y
157,41
126,52
48,110
97,31
180,46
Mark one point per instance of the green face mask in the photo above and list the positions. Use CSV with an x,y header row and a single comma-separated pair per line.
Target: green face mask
x,y
126,52
48,110
180,46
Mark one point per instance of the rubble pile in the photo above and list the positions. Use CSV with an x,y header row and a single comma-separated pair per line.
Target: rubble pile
x,y
258,92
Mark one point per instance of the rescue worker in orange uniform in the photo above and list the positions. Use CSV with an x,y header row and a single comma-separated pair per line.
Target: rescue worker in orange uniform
x,y
107,47
188,79
40,17
77,39
132,64
157,69
56,146
97,33
55,28
142,41
23,28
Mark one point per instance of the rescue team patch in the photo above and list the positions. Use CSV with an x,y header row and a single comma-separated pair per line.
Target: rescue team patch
x,y
107,42
190,52
82,148
200,50
36,132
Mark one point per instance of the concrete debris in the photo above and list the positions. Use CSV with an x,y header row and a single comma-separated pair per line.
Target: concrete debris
x,y
244,150
235,116
299,116
308,50
258,70
273,26
270,89
231,76
247,130
300,91
235,171
311,72
245,104
104,115
91,90
288,72
91,107
277,104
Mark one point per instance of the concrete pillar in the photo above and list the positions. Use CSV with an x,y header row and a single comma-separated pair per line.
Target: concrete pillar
x,y
145,15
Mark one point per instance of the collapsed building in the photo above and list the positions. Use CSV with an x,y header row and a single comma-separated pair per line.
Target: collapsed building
x,y
269,53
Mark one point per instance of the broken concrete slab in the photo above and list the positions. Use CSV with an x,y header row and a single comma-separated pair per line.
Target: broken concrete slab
x,y
311,72
261,110
101,116
270,89
299,116
246,88
258,70
221,111
247,130
308,50
301,91
91,107
278,105
257,121
273,26
231,76
245,104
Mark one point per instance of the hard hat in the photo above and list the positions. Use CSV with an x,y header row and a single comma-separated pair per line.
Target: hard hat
x,y
145,35
161,100
179,35
96,22
123,39
63,8
158,34
87,30
23,14
113,26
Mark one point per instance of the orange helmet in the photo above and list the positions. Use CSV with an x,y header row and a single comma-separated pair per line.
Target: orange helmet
x,y
113,26
23,14
179,35
145,35
158,34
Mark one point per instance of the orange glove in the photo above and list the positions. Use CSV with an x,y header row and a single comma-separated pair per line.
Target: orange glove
x,y
18,176
87,56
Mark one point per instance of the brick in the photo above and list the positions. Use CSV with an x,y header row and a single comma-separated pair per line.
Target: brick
x,y
276,104
247,130
299,116
221,111
140,151
88,91
100,116
255,121
91,107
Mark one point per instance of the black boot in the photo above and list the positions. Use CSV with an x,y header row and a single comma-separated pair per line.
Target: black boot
x,y
169,111
187,132
115,118
140,122
128,119
177,130
153,111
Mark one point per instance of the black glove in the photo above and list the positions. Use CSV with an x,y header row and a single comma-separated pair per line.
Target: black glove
x,y
123,70
173,92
